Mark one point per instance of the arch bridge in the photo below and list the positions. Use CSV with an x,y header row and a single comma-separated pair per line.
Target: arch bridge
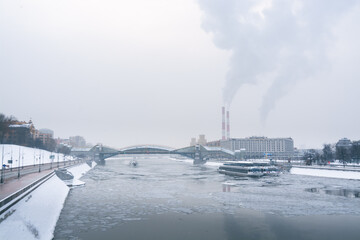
x,y
200,154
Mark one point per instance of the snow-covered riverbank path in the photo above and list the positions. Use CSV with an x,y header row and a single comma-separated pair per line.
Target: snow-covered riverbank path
x,y
15,185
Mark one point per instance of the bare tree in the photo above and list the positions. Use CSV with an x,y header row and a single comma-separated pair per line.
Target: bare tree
x,y
343,154
311,156
355,151
65,150
328,154
4,125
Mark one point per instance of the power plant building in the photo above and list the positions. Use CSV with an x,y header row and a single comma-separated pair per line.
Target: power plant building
x,y
252,147
261,147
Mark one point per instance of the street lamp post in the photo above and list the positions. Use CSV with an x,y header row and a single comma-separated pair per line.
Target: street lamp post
x,y
51,160
2,166
22,158
34,155
40,162
11,160
19,165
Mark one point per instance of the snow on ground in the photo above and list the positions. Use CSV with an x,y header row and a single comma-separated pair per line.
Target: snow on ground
x,y
326,173
78,171
214,164
28,156
35,216
337,163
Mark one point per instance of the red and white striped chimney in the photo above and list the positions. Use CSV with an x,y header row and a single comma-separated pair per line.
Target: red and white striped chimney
x,y
227,125
223,124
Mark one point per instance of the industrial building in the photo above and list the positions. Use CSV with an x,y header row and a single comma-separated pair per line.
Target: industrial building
x,y
253,147
261,147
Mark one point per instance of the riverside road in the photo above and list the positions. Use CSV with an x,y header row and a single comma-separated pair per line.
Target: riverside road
x,y
17,178
15,172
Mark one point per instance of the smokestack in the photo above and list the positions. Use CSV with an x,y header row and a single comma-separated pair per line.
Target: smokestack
x,y
223,124
227,124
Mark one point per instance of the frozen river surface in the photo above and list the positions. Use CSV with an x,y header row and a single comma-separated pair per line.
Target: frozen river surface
x,y
167,199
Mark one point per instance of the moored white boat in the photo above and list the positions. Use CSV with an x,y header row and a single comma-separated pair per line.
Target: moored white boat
x,y
249,169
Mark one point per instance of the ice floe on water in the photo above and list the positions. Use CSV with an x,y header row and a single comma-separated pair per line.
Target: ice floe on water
x,y
116,192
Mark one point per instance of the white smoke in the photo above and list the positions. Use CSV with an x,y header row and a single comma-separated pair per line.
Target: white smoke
x,y
288,38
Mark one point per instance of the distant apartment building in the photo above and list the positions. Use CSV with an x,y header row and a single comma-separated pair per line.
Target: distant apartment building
x,y
261,147
63,141
201,140
45,135
213,143
300,153
77,141
193,142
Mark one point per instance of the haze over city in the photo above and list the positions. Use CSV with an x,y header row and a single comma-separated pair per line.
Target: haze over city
x,y
179,119
132,72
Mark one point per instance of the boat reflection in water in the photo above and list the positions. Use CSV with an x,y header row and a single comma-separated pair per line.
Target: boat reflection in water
x,y
249,169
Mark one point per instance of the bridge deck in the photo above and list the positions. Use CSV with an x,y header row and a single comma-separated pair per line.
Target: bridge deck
x,y
198,152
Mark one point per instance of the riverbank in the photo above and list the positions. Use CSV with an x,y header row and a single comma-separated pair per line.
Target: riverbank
x,y
35,216
329,172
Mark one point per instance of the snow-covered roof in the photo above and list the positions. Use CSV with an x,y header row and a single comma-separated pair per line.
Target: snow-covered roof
x,y
20,125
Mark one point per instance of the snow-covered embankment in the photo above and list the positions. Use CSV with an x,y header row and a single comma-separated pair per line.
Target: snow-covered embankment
x,y
25,156
326,173
35,216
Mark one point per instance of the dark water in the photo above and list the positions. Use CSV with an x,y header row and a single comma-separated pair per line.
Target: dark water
x,y
167,199
336,191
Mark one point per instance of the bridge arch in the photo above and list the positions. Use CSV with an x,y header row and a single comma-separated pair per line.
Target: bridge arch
x,y
139,149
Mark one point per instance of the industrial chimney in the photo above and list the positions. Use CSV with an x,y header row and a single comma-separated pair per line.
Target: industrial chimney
x,y
227,125
223,124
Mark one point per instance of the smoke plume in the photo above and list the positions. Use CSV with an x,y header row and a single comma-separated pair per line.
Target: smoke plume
x,y
285,38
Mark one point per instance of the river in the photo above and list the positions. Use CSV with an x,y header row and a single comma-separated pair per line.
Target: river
x,y
165,198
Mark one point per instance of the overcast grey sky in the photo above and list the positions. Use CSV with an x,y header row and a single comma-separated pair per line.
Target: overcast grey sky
x,y
158,71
